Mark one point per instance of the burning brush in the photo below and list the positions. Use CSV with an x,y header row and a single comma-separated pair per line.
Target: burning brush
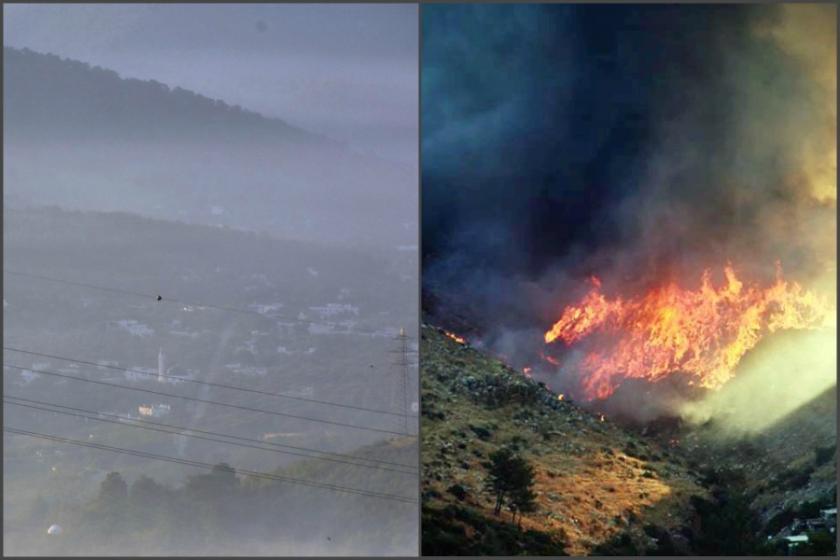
x,y
669,329
455,337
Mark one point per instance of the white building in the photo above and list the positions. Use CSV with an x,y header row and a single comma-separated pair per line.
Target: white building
x,y
154,410
795,540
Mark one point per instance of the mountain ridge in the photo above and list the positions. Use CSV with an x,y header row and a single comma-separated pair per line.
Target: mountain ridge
x,y
84,138
93,92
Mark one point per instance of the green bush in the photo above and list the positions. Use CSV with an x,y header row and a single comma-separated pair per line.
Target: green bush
x,y
458,491
444,534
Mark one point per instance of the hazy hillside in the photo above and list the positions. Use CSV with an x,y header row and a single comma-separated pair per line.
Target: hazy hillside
x,y
217,515
238,310
346,71
290,315
86,138
44,92
781,469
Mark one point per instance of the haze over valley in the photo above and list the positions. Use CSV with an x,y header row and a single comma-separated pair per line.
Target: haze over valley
x,y
210,316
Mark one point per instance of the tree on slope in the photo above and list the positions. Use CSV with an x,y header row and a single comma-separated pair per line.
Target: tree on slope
x,y
511,481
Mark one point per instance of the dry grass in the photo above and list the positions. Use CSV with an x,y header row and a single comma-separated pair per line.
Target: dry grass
x,y
593,479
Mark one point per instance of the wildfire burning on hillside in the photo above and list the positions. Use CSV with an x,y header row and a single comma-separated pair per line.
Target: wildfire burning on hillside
x,y
455,337
671,329
733,162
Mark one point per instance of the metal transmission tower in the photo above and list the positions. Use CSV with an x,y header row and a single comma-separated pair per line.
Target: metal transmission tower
x,y
403,362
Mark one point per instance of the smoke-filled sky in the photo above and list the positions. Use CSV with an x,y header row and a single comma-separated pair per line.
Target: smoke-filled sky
x,y
638,144
345,71
630,142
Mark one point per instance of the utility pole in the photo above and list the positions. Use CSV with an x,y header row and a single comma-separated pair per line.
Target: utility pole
x,y
404,362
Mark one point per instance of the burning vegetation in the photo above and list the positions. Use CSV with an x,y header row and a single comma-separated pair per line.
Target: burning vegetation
x,y
708,391
669,329
455,337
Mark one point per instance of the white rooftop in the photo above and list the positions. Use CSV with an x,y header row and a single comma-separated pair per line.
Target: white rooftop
x,y
797,538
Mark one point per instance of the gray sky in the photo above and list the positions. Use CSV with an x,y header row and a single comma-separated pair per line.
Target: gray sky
x,y
346,71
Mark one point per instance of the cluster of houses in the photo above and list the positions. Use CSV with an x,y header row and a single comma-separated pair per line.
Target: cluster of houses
x,y
796,533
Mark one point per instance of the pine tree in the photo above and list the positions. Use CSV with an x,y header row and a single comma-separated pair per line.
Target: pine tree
x,y
511,480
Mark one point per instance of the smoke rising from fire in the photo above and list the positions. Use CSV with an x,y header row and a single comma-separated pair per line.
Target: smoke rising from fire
x,y
639,144
787,371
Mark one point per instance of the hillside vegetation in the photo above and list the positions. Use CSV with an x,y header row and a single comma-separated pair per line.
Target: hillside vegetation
x,y
603,488
599,487
223,513
786,472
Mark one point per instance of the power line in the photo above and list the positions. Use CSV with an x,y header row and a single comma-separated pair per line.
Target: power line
x,y
208,383
135,294
178,430
199,464
72,283
175,430
196,430
154,297
207,401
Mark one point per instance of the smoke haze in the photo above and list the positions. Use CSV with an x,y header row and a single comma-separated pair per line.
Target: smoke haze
x,y
638,144
210,280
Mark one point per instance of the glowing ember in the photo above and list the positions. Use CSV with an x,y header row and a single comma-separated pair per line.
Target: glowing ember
x,y
455,337
551,360
704,333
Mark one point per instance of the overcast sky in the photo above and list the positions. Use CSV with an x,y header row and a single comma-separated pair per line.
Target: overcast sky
x,y
346,71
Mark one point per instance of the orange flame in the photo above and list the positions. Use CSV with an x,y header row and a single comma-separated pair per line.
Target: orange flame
x,y
704,333
455,337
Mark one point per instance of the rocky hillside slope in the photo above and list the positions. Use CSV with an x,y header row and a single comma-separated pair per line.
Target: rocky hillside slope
x,y
600,488
785,472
